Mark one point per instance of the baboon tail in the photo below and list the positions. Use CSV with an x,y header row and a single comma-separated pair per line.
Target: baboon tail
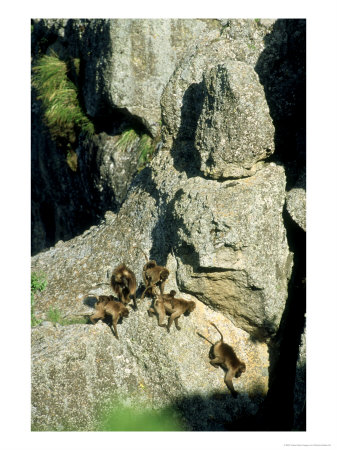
x,y
204,338
217,329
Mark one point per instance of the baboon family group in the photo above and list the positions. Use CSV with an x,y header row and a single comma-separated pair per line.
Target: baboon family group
x,y
123,283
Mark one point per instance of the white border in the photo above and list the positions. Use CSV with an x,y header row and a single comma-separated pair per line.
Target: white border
x,y
15,224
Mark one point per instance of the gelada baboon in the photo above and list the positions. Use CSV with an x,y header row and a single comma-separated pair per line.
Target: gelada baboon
x,y
223,355
174,307
153,275
106,305
123,283
158,307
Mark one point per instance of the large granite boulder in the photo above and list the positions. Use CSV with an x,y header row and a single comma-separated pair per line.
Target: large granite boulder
x,y
234,130
232,249
296,202
129,61
183,97
79,371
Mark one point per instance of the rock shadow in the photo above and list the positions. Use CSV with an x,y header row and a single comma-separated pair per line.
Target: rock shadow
x,y
215,412
281,68
185,156
278,410
165,235
90,301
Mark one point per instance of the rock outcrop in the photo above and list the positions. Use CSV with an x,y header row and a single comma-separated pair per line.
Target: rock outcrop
x,y
210,206
234,130
124,66
296,202
78,370
129,62
165,210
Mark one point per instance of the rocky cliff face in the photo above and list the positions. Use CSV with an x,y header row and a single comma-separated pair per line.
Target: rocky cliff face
x,y
212,206
124,66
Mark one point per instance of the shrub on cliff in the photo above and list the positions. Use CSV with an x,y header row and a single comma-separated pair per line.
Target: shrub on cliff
x,y
63,113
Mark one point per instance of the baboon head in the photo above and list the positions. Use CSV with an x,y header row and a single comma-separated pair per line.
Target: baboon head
x,y
241,369
191,307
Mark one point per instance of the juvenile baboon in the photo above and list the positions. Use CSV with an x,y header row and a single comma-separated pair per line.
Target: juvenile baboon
x,y
123,283
174,307
106,305
223,355
153,275
158,307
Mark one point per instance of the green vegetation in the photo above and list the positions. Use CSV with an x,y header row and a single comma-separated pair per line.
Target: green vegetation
x,y
63,114
146,149
142,142
54,315
128,138
123,418
38,282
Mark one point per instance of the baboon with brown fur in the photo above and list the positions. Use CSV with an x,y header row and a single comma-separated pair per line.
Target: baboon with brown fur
x,y
158,307
172,306
153,275
223,355
106,305
123,283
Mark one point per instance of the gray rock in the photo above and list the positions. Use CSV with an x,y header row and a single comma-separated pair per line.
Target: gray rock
x,y
65,203
106,170
296,202
129,61
47,324
59,208
124,66
49,27
80,370
231,247
228,240
183,97
267,22
223,241
234,130
281,68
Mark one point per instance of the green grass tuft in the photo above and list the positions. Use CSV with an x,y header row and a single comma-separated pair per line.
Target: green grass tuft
x,y
128,138
38,283
143,143
145,150
54,315
63,114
